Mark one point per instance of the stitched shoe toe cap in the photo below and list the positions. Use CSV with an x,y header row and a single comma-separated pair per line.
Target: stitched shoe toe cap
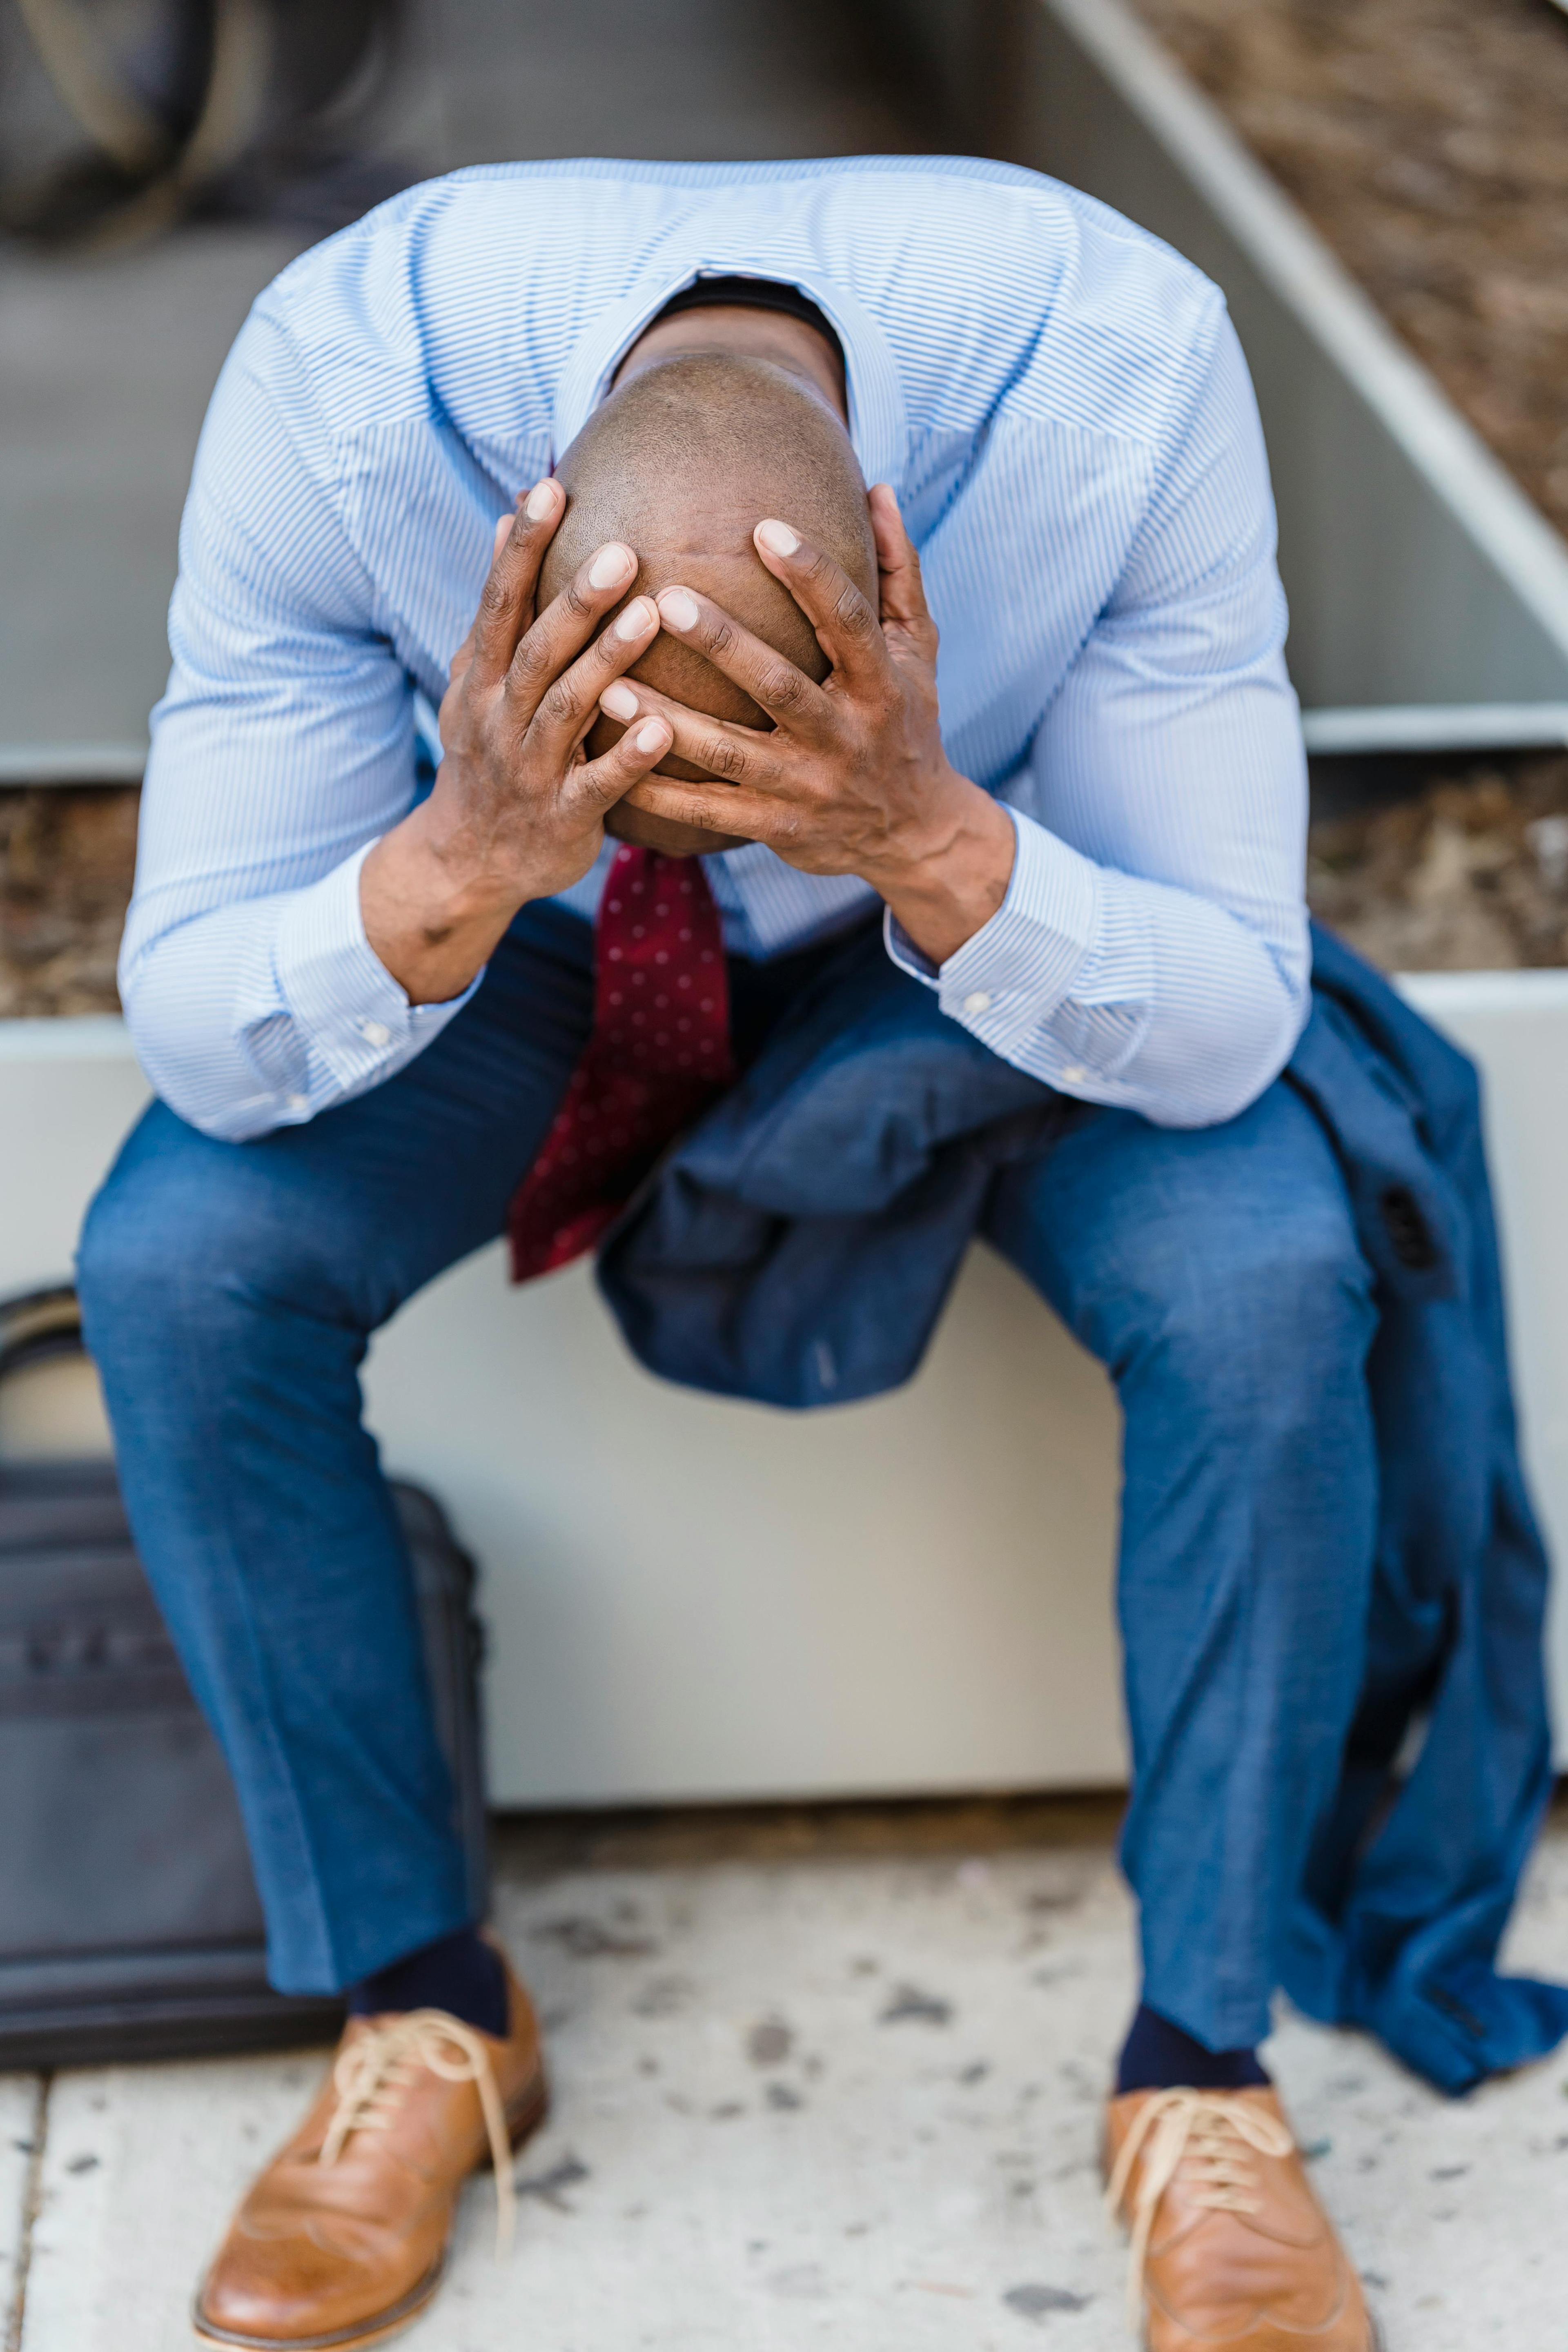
x,y
286,2290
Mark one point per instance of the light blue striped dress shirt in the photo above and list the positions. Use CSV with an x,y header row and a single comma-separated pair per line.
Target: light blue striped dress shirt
x,y
1061,405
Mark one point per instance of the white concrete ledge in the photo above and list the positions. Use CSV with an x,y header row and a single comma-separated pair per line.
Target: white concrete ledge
x,y
69,1037
1450,997
694,1599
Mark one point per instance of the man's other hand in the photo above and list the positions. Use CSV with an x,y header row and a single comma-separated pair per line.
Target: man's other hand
x,y
852,778
518,809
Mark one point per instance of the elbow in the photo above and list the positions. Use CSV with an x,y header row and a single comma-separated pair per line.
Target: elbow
x,y
213,1041
195,1092
1243,1021
1227,1072
1216,1105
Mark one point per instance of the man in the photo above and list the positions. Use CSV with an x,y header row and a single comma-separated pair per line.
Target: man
x,y
381,1033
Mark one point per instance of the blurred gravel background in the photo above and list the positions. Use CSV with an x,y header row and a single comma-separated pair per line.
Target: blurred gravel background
x,y
65,862
1428,139
1428,142
1465,870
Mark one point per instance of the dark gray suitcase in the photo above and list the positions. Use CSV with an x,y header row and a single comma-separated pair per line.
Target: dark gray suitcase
x,y
129,1924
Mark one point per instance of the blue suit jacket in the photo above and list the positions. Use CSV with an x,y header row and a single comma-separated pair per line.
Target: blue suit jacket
x,y
797,1246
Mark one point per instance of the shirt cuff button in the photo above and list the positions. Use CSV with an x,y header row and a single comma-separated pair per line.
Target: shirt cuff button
x,y
375,1033
978,1001
299,1105
1075,1074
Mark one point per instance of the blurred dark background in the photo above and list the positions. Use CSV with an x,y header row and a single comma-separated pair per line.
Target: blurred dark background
x,y
160,160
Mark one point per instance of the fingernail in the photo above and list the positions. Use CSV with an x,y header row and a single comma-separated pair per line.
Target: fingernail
x,y
541,502
610,566
637,618
777,538
680,608
619,701
651,736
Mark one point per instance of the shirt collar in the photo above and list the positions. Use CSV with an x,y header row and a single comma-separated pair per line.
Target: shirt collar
x,y
879,431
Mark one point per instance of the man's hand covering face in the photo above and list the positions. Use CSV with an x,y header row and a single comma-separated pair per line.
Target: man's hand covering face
x,y
796,660
681,463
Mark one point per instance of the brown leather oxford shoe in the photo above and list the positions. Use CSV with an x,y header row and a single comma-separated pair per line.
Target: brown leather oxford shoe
x,y
1230,2246
342,2239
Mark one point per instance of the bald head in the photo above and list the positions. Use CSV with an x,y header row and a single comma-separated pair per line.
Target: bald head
x,y
682,463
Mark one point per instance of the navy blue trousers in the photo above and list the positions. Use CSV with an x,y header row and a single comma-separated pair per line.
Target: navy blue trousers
x,y
230,1292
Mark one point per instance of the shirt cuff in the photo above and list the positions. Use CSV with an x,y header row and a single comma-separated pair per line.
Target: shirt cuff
x,y
342,999
1018,967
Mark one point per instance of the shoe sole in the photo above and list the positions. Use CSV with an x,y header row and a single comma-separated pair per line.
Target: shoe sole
x,y
375,2330
526,2114
523,2120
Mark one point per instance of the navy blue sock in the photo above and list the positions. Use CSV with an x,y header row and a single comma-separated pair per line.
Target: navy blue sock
x,y
1158,2056
460,1973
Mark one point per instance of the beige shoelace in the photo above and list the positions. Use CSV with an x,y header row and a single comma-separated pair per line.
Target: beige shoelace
x,y
373,2072
1219,2133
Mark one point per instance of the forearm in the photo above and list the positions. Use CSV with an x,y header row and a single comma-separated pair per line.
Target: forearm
x,y
947,892
1221,1017
432,912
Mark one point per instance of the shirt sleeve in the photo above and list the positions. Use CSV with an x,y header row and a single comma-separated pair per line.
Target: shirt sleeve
x,y
283,748
1153,948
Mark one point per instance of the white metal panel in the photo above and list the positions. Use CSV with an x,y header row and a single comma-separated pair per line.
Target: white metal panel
x,y
1472,727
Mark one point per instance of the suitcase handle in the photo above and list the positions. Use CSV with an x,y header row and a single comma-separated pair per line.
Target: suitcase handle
x,y
38,1324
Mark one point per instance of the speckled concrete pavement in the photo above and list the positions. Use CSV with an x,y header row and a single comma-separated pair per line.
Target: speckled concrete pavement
x,y
833,2101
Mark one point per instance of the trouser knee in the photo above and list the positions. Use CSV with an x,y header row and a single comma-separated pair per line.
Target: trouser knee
x,y
1268,1336
152,1272
125,1271
192,1246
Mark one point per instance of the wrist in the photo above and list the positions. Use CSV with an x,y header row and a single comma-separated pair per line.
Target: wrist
x,y
432,919
950,888
446,870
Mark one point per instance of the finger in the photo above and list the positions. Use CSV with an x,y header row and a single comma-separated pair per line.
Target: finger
x,y
604,780
465,653
898,566
571,702
739,754
791,699
565,627
717,808
846,625
506,604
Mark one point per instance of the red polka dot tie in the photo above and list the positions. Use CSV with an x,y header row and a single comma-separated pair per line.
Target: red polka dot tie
x,y
659,1055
